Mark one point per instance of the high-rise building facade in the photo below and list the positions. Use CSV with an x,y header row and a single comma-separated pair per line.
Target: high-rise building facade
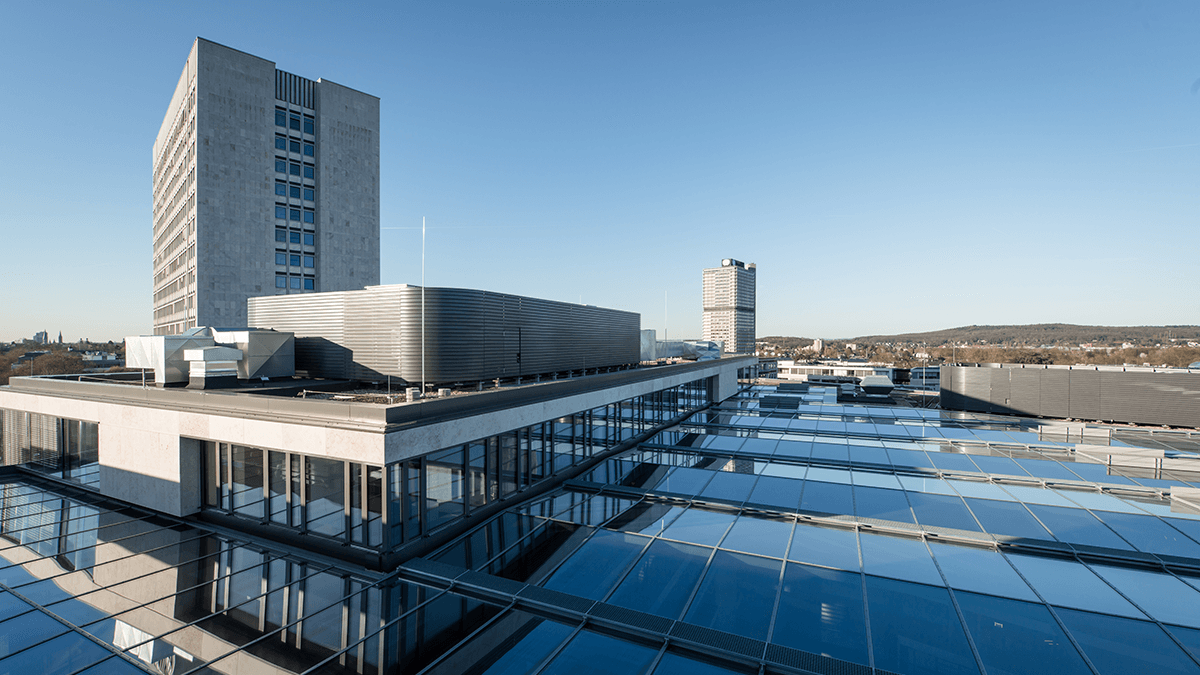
x,y
729,305
264,183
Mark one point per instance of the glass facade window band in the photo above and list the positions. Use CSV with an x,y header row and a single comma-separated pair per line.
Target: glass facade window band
x,y
58,447
329,498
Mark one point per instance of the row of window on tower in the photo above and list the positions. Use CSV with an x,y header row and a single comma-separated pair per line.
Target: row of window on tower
x,y
295,122
295,282
307,238
295,191
293,145
294,169
282,212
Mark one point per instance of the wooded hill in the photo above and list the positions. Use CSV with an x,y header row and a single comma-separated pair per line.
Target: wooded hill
x,y
1042,334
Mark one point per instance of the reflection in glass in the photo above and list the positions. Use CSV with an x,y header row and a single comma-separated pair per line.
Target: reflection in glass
x,y
737,595
662,581
1118,646
914,629
821,611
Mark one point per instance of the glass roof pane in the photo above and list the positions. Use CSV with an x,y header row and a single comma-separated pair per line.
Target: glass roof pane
x,y
700,526
874,479
662,580
28,629
1070,584
759,446
899,558
926,484
684,481
868,455
737,594
785,470
953,461
1077,526
829,475
1016,637
970,488
1150,534
791,448
830,452
826,546
912,458
780,493
1032,495
831,498
881,504
759,535
984,571
11,606
1046,468
594,654
646,517
595,567
1189,638
942,511
1160,595
914,629
64,654
1006,518
1118,645
730,486
998,465
541,638
821,611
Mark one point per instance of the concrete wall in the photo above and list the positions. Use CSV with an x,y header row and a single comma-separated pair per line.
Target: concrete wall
x,y
235,159
347,188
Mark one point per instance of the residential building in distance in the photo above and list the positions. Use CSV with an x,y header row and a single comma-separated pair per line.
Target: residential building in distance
x,y
264,183
729,305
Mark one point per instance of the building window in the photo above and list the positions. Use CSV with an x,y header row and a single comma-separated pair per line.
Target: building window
x,y
309,216
296,123
296,169
294,146
310,284
280,143
280,258
295,282
309,261
295,214
309,150
309,239
295,192
309,194
309,171
281,189
280,118
280,234
308,125
280,281
281,165
280,211
295,237
295,259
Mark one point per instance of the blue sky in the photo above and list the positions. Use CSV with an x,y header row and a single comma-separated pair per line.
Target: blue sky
x,y
890,167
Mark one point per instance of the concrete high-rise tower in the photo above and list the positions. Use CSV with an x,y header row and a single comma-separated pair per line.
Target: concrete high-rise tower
x,y
264,183
729,305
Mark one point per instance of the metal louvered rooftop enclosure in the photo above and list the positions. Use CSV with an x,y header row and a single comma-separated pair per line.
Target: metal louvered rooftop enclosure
x,y
469,335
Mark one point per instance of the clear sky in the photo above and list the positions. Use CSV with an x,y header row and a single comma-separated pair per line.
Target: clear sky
x,y
890,166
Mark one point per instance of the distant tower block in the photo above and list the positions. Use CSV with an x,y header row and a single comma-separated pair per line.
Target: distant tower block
x,y
729,305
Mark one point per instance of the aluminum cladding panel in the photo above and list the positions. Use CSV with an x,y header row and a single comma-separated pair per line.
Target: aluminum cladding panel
x,y
1025,390
1084,398
1055,393
1150,398
479,335
318,322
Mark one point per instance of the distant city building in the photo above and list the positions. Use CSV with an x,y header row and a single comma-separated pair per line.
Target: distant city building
x,y
817,346
729,292
264,183
41,337
801,372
